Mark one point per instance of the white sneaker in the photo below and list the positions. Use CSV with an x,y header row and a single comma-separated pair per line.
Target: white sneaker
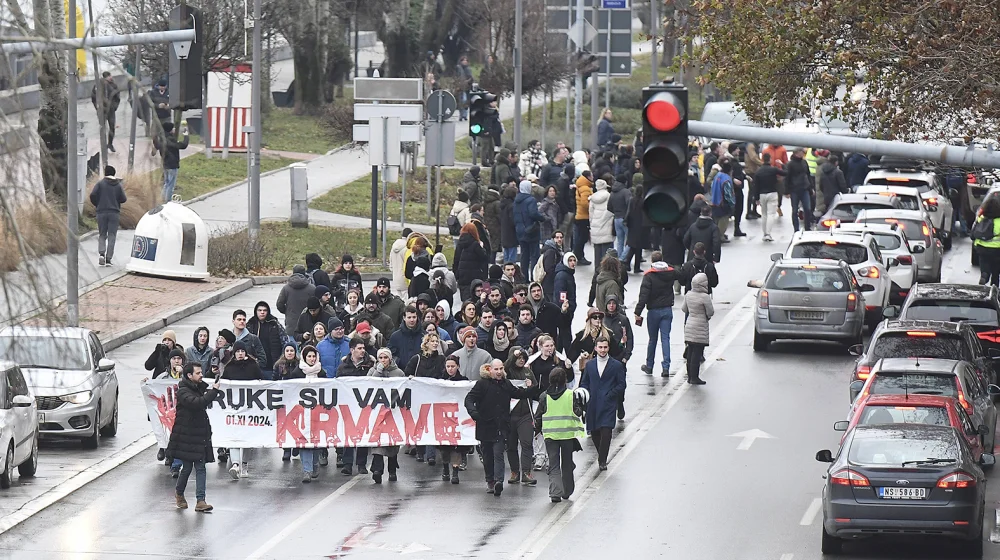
x,y
245,471
100,260
234,471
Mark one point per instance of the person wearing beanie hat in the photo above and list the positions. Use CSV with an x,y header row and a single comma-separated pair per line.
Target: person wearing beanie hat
x,y
312,314
228,335
373,314
243,367
385,366
333,347
325,297
168,145
107,197
293,297
472,185
286,364
176,359
345,279
389,303
472,357
159,359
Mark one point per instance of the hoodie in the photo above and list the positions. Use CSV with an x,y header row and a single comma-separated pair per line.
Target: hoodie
x,y
527,218
701,265
580,162
833,182
449,324
704,230
270,333
472,186
565,282
108,195
293,298
698,307
602,226
621,197
657,289
203,354
440,262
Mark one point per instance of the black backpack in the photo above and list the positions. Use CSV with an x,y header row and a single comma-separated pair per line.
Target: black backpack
x,y
454,227
982,230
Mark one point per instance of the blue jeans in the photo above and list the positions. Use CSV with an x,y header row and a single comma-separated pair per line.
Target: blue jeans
x,y
510,255
199,478
659,320
169,183
310,458
529,256
621,234
801,198
463,104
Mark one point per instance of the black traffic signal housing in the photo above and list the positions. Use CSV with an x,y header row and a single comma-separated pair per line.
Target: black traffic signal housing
x,y
479,112
186,75
665,153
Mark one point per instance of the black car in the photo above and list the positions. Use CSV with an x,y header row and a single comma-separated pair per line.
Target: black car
x,y
904,480
979,306
924,339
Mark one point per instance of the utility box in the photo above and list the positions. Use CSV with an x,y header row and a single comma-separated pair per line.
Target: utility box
x,y
171,241
300,195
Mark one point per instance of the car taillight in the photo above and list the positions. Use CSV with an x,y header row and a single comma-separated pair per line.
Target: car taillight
x,y
963,401
864,372
990,336
904,259
847,477
970,179
932,201
869,272
763,299
957,480
830,224
852,301
926,230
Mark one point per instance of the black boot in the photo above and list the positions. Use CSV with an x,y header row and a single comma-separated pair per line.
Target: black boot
x,y
445,475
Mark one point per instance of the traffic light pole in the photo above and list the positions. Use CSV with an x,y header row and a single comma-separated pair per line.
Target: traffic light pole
x,y
518,24
654,29
255,117
578,93
595,88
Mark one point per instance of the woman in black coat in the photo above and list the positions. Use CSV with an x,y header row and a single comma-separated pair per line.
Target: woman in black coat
x,y
471,260
421,281
429,362
488,404
638,234
191,434
508,233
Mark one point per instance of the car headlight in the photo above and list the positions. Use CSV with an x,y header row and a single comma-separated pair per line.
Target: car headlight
x,y
77,398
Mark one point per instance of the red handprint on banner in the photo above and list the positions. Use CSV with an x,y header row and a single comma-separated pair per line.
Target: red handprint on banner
x,y
166,408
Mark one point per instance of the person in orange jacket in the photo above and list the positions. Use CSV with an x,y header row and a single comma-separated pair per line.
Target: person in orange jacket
x,y
581,226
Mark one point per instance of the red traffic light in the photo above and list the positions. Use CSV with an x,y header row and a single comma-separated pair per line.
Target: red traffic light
x,y
664,111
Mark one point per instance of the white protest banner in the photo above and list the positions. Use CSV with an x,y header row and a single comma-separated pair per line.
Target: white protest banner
x,y
351,411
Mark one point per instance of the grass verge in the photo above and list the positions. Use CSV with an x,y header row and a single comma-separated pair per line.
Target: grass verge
x,y
199,175
354,199
35,231
286,131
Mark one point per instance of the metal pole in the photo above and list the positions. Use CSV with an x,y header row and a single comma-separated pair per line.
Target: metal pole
x,y
607,85
518,24
229,111
595,88
137,98
258,68
72,195
578,94
356,67
74,43
545,114
437,206
430,201
374,225
654,29
385,186
98,79
402,192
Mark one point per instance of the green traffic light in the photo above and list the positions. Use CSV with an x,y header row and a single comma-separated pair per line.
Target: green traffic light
x,y
475,128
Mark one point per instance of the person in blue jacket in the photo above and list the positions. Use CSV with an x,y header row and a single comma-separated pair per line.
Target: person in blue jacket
x,y
604,378
405,342
333,347
527,220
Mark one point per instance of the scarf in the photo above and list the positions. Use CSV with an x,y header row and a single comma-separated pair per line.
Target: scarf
x,y
500,344
310,371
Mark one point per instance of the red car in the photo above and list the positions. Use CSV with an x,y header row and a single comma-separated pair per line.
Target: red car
x,y
915,409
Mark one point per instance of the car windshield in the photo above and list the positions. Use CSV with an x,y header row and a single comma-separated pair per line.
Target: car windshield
x,y
902,345
913,384
808,279
880,414
891,447
978,312
920,184
908,202
835,250
888,241
45,352
848,211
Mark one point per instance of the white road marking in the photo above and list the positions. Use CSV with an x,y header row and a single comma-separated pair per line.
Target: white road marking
x,y
749,437
787,556
995,532
810,515
592,480
300,520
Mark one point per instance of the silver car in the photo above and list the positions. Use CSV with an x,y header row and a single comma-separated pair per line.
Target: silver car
x,y
816,299
74,383
928,251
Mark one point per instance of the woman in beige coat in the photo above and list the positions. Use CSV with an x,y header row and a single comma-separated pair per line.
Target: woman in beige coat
x,y
698,310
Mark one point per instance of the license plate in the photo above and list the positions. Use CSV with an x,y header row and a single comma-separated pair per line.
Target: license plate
x,y
806,315
41,417
893,493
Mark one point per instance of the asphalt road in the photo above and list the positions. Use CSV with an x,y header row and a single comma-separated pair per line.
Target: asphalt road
x,y
678,484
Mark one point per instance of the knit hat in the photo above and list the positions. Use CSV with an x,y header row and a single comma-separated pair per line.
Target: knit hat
x,y
383,281
321,291
467,332
240,345
334,323
228,335
601,185
298,269
525,187
347,259
169,334
363,327
312,303
495,272
474,170
372,298
289,344
383,351
176,352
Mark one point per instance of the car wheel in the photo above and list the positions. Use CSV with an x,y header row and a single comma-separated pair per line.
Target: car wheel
x,y
7,476
94,440
760,342
974,548
111,429
946,241
28,468
831,544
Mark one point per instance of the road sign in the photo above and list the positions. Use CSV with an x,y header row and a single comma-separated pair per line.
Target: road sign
x,y
439,149
588,33
614,5
383,141
407,132
441,104
388,89
405,113
560,18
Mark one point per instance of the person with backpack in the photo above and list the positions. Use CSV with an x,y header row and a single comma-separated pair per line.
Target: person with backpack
x,y
700,264
459,215
723,198
986,241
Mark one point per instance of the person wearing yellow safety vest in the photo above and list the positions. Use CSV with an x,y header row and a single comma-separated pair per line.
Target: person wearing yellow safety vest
x,y
557,418
986,241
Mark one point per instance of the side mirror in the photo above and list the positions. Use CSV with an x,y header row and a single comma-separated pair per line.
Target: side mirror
x,y
775,257
841,426
867,288
856,387
856,349
987,460
890,312
21,400
932,208
755,284
983,430
105,365
893,261
917,249
824,456
993,389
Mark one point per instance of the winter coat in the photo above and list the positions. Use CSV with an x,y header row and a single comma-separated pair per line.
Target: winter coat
x,y
293,298
657,288
378,320
523,406
461,211
420,281
331,353
471,261
621,197
549,209
171,150
586,341
548,316
254,348
397,262
857,169
405,343
472,187
833,182
525,334
602,227
608,284
542,367
606,392
699,309
566,187
159,359
392,307
488,404
197,355
700,265
344,281
314,271
604,131
469,361
584,189
551,256
191,435
565,282
348,368
108,195
307,321
638,232
621,329
391,371
672,242
799,178
501,173
270,333
527,218
508,229
243,370
705,230
491,215
431,367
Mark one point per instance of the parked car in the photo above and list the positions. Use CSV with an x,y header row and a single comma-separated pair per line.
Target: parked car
x,y
18,425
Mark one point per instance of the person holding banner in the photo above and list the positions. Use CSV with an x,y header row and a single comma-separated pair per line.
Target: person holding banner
x,y
488,404
241,368
356,363
191,435
385,367
309,368
453,454
521,422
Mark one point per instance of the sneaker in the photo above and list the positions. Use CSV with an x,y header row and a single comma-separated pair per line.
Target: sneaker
x,y
392,477
222,455
454,476
362,470
347,471
314,474
323,460
768,238
515,478
665,372
181,502
306,479
527,479
234,472
445,476
602,466
647,370
245,470
431,462
498,488
100,262
202,506
556,499
287,455
489,486
420,458
108,263
464,465
175,472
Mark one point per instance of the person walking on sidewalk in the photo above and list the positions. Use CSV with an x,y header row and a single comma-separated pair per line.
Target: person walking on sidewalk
x,y
191,436
557,418
699,310
107,197
170,148
604,379
111,97
657,293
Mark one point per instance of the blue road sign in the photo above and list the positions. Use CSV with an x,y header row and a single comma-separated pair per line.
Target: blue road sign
x,y
614,4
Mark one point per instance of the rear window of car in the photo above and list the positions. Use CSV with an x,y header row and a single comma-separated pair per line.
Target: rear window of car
x,y
887,241
850,210
913,384
914,228
978,312
808,279
835,250
885,448
920,184
902,345
884,414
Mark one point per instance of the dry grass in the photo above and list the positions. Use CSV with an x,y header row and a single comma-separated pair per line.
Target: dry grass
x,y
42,231
143,193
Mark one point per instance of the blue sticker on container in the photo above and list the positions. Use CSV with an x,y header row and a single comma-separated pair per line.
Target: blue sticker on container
x,y
144,248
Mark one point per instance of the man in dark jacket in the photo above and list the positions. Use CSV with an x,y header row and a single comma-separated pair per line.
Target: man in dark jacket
x,y
107,198
618,204
604,130
857,169
617,322
527,330
269,331
472,185
191,434
161,102
551,171
405,342
373,314
355,364
799,182
739,184
656,295
702,231
251,341
314,270
547,314
833,182
501,173
566,198
508,230
293,297
111,98
700,264
312,314
552,253
170,147
390,304
526,224
766,181
492,219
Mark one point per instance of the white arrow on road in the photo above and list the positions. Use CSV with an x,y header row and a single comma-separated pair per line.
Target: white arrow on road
x,y
749,436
